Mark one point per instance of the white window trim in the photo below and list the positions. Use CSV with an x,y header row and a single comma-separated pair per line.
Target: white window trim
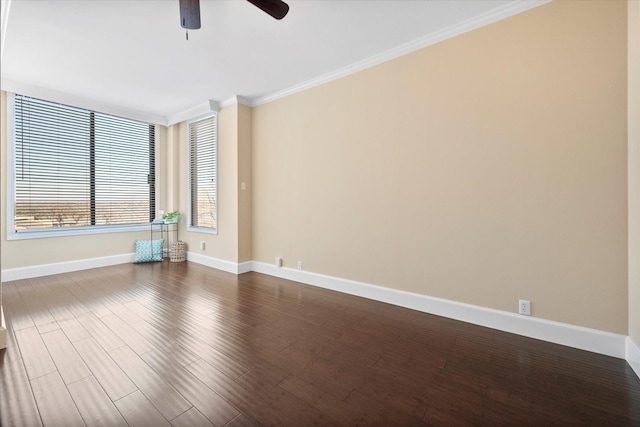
x,y
193,228
12,234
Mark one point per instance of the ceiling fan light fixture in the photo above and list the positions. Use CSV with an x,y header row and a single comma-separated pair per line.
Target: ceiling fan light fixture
x,y
190,14
190,11
276,8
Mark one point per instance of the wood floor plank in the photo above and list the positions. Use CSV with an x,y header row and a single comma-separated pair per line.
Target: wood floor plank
x,y
179,353
138,411
17,404
221,356
376,412
69,299
337,380
325,402
73,329
208,402
12,351
114,381
14,307
100,332
168,401
127,334
405,397
123,312
264,399
94,405
69,363
218,382
36,357
59,311
55,298
55,404
36,305
87,296
191,418
242,420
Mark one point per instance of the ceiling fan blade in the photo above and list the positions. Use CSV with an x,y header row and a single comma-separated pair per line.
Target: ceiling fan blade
x,y
276,8
190,14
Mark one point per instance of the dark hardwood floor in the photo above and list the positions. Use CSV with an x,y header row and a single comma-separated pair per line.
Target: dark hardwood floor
x,y
184,345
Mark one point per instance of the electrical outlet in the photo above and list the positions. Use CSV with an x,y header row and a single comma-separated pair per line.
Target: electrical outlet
x,y
278,262
524,307
202,245
299,265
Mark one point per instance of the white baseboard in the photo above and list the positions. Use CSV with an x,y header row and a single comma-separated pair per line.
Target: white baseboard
x,y
64,267
245,267
85,264
593,340
633,355
220,264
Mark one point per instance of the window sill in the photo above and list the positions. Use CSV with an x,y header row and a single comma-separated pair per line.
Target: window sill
x,y
203,230
81,231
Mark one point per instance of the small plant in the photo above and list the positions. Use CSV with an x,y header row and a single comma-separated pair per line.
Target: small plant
x,y
171,217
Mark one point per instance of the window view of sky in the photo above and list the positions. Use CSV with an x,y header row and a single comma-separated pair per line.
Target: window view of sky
x,y
75,167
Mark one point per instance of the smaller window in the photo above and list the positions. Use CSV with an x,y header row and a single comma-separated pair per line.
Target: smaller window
x,y
203,173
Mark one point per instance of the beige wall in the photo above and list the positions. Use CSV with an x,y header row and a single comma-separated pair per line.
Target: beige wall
x,y
168,175
223,245
245,239
483,169
634,168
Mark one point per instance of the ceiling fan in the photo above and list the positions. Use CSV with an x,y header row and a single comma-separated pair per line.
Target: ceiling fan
x,y
190,11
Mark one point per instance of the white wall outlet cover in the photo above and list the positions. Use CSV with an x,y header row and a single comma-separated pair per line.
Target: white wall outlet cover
x,y
524,307
278,262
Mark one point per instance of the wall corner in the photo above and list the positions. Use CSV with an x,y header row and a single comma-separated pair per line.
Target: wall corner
x,y
633,186
3,330
245,184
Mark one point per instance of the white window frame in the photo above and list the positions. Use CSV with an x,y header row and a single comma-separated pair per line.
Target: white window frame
x,y
58,232
193,228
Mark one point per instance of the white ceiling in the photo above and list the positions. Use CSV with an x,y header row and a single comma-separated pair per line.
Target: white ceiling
x,y
133,54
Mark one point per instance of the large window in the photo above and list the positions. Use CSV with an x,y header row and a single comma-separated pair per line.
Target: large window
x,y
75,168
202,173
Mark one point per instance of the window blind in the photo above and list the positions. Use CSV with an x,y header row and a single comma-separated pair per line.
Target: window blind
x,y
80,168
202,172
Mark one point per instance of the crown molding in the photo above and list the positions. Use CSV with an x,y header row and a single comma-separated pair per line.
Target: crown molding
x,y
495,15
510,9
236,100
76,101
198,110
203,108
